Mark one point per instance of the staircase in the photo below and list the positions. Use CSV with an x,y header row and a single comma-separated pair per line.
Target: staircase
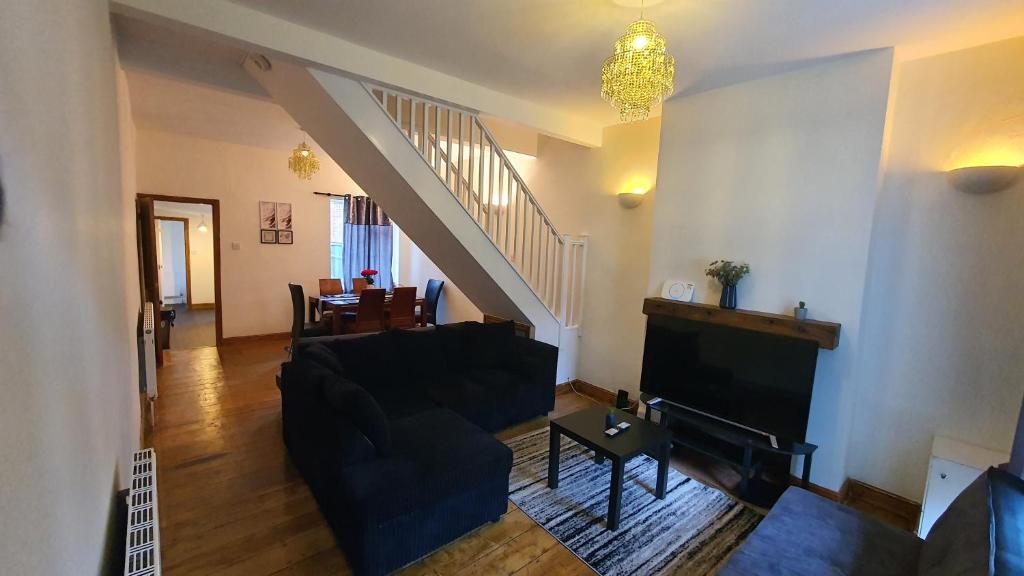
x,y
441,175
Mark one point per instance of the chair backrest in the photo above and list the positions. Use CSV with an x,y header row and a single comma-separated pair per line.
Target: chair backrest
x,y
402,312
331,286
358,285
297,312
370,311
430,299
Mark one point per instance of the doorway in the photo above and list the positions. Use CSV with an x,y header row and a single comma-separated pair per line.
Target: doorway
x,y
179,254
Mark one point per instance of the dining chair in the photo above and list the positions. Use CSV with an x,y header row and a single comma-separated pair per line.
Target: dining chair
x,y
358,285
300,328
331,287
430,299
368,317
402,311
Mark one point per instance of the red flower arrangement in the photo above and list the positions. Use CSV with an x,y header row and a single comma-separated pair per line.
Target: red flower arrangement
x,y
368,274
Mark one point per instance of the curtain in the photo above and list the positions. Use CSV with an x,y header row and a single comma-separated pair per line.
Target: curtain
x,y
367,241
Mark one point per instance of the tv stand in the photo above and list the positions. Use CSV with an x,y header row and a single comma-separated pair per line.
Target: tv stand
x,y
739,447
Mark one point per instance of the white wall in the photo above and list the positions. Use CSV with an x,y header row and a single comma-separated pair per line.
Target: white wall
x,y
254,277
415,269
201,270
781,172
943,320
172,248
69,416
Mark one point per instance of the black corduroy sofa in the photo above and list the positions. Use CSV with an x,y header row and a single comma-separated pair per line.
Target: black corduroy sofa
x,y
392,432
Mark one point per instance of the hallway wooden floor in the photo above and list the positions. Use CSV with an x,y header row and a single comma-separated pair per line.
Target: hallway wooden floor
x,y
231,503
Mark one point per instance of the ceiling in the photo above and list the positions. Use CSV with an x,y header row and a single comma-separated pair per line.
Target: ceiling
x,y
550,51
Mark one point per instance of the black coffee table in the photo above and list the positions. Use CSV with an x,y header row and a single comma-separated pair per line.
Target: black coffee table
x,y
587,428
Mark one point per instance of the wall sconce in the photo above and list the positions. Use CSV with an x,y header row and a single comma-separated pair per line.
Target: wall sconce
x,y
983,179
632,194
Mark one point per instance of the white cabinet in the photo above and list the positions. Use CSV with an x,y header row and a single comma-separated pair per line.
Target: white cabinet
x,y
953,466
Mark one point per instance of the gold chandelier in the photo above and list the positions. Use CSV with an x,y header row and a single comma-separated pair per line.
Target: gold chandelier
x,y
639,74
303,162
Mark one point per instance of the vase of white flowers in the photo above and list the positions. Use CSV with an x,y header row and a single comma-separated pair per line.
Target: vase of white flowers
x,y
728,274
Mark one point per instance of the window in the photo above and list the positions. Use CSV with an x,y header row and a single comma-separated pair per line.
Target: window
x,y
337,238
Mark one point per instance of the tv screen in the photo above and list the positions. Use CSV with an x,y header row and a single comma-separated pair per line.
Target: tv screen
x,y
761,381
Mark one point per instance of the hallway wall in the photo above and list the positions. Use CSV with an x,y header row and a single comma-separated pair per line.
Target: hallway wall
x,y
68,294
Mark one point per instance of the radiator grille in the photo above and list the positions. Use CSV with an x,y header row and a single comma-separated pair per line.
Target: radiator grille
x,y
142,546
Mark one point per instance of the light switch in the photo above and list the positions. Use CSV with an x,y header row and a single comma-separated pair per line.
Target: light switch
x,y
236,246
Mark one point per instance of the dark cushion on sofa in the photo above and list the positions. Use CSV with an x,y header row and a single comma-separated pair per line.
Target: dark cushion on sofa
x,y
422,352
437,454
807,535
320,354
478,345
370,360
980,534
1008,521
354,404
489,405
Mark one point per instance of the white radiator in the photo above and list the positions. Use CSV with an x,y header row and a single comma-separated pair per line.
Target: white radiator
x,y
149,350
142,545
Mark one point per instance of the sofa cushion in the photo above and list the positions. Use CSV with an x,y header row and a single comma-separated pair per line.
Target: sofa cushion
x,y
487,404
1008,521
960,540
980,532
350,402
437,454
479,345
319,354
422,351
370,360
807,535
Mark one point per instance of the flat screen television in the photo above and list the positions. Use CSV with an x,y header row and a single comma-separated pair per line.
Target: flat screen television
x,y
757,380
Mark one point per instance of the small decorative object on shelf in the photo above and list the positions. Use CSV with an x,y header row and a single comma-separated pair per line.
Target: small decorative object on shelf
x,y
609,419
368,274
728,274
800,312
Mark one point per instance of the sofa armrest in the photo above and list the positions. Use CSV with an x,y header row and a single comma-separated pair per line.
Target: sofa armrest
x,y
536,360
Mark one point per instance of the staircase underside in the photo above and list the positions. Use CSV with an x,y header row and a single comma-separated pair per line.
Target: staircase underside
x,y
345,120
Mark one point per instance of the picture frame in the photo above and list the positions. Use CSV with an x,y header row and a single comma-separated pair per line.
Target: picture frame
x,y
284,217
284,237
268,215
268,237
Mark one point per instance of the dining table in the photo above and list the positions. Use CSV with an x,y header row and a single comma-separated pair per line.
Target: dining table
x,y
341,303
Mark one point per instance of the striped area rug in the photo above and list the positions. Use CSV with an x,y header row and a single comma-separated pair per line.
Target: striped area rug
x,y
691,532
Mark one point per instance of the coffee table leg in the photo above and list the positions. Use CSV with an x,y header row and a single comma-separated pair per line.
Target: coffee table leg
x,y
615,494
553,450
598,459
663,459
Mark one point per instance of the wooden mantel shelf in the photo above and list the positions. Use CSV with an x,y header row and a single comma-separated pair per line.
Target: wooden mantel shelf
x,y
826,334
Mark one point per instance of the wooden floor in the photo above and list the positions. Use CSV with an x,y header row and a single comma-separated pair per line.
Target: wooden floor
x,y
193,328
231,503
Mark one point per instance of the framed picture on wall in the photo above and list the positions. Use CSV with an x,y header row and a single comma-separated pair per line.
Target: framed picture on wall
x,y
268,216
284,218
269,237
284,236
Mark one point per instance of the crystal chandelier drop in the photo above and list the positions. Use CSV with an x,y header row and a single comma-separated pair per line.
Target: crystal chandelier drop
x,y
303,162
639,73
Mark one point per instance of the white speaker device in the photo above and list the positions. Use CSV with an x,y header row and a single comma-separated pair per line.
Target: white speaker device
x,y
677,290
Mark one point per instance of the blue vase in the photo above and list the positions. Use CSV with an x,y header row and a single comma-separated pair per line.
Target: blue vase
x,y
728,300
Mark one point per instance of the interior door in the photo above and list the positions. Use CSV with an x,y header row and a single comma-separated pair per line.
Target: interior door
x,y
150,268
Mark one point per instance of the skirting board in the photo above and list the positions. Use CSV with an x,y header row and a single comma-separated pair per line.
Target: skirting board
x,y
255,338
202,306
596,392
855,490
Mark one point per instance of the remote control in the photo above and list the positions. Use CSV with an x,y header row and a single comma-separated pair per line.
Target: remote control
x,y
623,426
611,432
